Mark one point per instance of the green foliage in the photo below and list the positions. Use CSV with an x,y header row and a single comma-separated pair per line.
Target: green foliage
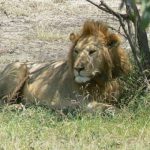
x,y
145,13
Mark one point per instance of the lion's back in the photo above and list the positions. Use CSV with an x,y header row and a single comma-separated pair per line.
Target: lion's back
x,y
49,84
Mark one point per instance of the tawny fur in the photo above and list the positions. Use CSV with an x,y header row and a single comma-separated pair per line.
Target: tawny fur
x,y
90,73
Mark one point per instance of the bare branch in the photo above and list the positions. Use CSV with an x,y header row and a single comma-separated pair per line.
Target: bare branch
x,y
118,31
107,9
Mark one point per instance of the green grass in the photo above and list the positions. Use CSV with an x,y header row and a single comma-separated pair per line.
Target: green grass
x,y
39,128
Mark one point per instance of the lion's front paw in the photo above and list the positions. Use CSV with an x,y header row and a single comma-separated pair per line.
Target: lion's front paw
x,y
101,108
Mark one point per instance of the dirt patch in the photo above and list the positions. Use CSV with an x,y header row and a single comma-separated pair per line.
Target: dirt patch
x,y
38,30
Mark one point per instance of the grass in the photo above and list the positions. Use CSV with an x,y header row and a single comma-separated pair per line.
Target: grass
x,y
44,33
26,8
39,128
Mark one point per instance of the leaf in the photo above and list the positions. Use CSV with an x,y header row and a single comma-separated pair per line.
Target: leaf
x,y
146,13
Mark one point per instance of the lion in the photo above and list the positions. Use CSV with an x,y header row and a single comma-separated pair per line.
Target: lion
x,y
89,76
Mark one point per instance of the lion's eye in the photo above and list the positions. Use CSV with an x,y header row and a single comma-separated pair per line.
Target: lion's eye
x,y
92,51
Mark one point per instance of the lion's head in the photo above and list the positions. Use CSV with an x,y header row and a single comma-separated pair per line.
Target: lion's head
x,y
94,51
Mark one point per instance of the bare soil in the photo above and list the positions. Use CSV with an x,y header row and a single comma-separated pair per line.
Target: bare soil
x,y
38,30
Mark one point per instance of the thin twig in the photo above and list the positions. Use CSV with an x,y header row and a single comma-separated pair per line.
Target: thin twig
x,y
104,7
118,31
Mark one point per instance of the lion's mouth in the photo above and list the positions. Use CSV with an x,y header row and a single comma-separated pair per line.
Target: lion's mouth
x,y
81,79
82,76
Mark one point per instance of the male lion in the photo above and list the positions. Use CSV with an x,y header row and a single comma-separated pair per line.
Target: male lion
x,y
88,76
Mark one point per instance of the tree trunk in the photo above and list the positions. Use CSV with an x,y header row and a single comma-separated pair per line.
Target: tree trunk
x,y
135,17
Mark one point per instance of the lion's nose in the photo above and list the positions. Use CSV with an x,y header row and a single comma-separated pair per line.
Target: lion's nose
x,y
79,67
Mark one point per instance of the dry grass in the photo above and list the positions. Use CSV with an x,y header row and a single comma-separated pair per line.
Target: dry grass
x,y
44,33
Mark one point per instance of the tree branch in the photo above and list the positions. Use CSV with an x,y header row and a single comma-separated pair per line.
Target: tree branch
x,y
118,31
107,9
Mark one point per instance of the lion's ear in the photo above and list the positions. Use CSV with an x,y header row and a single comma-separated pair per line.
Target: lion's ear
x,y
113,41
73,37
